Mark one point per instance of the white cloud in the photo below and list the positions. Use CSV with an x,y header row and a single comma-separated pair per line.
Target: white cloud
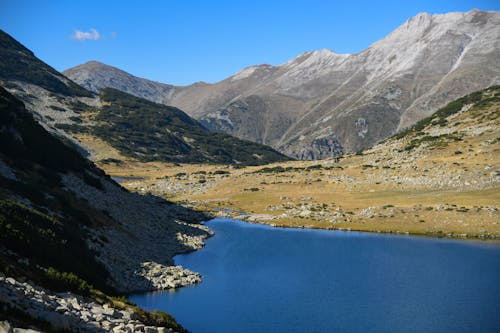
x,y
113,34
93,34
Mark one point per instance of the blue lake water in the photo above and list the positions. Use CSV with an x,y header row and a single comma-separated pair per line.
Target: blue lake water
x,y
262,279
124,179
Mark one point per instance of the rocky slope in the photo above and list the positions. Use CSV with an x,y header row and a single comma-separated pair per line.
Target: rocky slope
x,y
56,206
321,104
138,128
20,64
65,311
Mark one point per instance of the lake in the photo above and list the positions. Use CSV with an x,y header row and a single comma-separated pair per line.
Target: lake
x,y
262,279
124,179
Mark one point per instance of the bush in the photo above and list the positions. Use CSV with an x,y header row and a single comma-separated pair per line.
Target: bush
x,y
64,281
221,172
315,167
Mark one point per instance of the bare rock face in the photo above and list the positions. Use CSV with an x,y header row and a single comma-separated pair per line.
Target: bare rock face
x,y
358,99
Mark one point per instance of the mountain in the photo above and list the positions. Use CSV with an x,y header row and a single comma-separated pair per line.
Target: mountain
x,y
321,103
148,131
94,76
67,226
137,128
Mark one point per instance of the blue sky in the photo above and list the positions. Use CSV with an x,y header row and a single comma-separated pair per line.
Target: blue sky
x,y
181,42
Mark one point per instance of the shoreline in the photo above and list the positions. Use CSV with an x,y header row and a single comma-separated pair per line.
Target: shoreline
x,y
436,235
28,305
341,197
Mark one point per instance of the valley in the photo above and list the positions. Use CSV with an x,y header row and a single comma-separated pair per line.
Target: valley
x,y
433,180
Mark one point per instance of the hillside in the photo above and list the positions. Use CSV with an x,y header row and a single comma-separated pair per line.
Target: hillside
x,y
321,104
137,128
20,64
55,207
439,178
147,131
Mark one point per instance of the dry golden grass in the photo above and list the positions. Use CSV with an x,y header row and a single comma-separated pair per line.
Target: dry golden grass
x,y
99,148
395,208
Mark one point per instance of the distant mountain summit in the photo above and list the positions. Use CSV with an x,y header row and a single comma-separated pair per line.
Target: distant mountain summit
x,y
94,76
321,103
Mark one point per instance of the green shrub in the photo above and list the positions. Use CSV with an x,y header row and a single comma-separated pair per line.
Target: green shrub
x,y
315,167
221,172
64,281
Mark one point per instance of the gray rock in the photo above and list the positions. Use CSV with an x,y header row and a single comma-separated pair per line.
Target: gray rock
x,y
5,327
87,316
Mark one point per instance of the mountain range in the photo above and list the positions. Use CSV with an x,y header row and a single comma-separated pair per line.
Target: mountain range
x,y
321,104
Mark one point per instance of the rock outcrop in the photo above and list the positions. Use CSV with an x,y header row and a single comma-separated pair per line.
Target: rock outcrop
x,y
66,311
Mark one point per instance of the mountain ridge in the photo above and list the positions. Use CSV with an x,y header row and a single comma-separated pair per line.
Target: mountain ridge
x,y
351,100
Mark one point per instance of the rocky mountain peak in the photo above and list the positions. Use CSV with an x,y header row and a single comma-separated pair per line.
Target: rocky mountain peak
x,y
257,70
94,75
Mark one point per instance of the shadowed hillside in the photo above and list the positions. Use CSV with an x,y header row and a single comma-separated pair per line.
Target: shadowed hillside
x,y
66,226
